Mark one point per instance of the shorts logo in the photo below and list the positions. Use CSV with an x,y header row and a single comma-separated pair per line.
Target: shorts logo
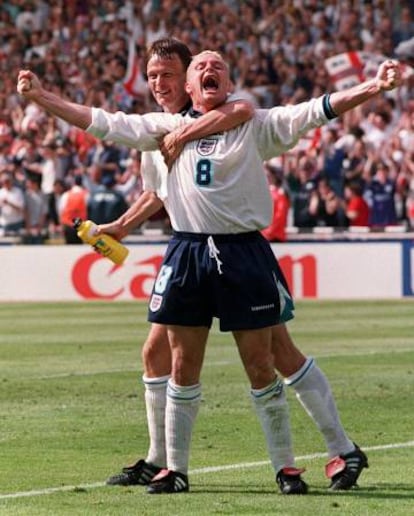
x,y
155,303
206,146
260,308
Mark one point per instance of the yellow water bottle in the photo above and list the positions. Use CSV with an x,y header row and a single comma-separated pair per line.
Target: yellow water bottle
x,y
104,244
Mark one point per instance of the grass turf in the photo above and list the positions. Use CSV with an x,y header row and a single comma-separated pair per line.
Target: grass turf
x,y
72,413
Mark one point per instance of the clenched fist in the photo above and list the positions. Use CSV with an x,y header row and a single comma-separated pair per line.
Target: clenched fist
x,y
389,75
28,84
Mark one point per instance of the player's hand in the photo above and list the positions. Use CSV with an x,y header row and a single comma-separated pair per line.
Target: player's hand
x,y
113,228
389,75
28,84
171,147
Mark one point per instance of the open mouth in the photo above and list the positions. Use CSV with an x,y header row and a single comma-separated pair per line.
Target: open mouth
x,y
210,84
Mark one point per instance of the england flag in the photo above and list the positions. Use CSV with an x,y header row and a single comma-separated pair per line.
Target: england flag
x,y
345,70
352,68
134,82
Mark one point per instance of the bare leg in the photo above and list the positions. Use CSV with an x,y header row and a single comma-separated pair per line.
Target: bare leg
x,y
288,359
156,354
255,352
188,346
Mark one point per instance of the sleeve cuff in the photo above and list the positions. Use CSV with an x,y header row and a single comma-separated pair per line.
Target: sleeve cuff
x,y
327,108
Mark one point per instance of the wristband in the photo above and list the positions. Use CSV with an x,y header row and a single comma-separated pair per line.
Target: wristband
x,y
327,108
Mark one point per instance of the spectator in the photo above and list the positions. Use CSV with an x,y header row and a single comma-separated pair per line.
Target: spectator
x,y
73,204
404,26
406,131
25,152
379,194
276,232
276,52
53,207
105,159
82,143
5,141
35,212
106,204
130,183
355,206
410,209
355,162
377,129
325,205
331,160
48,168
11,205
303,183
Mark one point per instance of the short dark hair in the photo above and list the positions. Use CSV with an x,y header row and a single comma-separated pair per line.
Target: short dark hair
x,y
78,180
355,187
165,48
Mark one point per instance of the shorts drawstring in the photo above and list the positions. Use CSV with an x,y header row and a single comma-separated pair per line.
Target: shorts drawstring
x,y
214,253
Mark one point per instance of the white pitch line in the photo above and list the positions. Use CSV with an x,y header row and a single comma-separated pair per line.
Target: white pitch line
x,y
213,469
200,471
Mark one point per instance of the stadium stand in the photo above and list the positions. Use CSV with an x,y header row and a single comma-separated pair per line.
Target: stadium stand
x,y
279,51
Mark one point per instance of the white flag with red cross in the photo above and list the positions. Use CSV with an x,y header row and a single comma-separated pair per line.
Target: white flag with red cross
x,y
352,68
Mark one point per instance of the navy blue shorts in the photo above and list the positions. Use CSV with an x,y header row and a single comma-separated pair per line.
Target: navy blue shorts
x,y
235,278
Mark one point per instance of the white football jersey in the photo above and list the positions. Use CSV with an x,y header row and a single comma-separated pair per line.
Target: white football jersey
x,y
217,185
154,174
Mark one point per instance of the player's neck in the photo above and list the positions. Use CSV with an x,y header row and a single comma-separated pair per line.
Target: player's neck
x,y
200,108
178,107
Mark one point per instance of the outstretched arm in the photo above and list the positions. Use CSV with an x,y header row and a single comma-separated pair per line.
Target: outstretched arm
x,y
388,77
29,86
221,119
140,132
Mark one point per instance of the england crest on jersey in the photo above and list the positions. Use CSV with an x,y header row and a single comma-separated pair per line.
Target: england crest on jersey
x,y
206,146
155,303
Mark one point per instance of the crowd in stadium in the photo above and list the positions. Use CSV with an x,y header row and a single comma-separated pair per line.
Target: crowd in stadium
x,y
358,170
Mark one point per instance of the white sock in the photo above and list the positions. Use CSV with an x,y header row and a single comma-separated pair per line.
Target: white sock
x,y
273,412
182,408
314,393
155,402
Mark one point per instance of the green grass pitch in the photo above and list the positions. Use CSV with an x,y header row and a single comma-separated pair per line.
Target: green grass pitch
x,y
72,413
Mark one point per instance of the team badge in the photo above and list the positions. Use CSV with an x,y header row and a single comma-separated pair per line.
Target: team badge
x,y
206,146
155,303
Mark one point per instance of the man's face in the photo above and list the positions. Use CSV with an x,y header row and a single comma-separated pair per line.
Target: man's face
x,y
208,81
166,80
5,181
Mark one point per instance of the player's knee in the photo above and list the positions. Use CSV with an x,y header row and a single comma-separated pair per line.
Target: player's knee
x,y
156,356
185,369
287,358
260,372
